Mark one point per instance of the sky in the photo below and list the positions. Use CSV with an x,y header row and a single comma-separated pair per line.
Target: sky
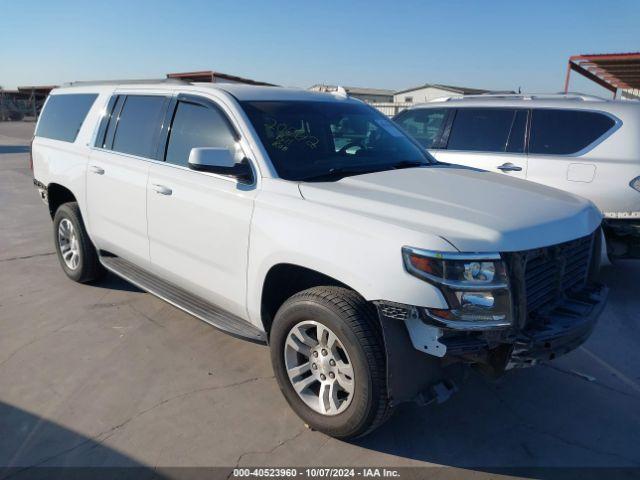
x,y
500,45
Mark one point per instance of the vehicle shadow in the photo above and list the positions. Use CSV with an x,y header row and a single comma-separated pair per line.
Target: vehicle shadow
x,y
112,282
534,422
33,447
14,149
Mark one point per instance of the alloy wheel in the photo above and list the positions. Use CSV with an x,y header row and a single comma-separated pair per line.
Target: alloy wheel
x,y
68,243
319,367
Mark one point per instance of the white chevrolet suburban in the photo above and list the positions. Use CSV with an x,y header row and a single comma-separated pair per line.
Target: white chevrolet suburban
x,y
584,145
310,222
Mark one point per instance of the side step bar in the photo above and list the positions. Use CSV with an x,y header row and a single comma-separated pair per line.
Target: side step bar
x,y
180,298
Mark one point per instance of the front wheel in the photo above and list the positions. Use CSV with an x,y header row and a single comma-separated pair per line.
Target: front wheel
x,y
329,361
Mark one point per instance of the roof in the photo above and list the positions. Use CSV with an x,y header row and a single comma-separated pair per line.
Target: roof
x,y
240,91
609,70
569,101
451,88
354,90
257,93
210,76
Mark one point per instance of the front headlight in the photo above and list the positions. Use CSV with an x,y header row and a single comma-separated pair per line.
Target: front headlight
x,y
475,285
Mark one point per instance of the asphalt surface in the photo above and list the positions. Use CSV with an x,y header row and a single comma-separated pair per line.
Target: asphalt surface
x,y
107,375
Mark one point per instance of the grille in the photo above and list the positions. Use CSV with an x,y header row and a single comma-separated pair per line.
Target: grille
x,y
553,271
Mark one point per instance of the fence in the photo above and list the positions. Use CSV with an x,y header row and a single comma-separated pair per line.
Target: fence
x,y
391,108
16,105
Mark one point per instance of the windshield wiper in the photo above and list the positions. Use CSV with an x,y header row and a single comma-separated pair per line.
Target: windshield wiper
x,y
408,164
340,172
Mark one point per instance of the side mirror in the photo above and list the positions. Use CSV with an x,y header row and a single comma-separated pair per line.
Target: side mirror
x,y
220,161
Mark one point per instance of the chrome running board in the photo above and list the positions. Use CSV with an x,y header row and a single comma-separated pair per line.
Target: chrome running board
x,y
180,298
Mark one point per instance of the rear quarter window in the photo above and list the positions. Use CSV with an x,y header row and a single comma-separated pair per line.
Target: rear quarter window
x,y
63,116
564,132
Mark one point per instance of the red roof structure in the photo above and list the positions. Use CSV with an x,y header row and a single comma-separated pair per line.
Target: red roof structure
x,y
612,71
211,76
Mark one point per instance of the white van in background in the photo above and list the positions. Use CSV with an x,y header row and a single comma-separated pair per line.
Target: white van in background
x,y
582,144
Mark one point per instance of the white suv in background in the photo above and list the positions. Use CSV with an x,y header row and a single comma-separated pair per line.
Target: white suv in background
x,y
582,144
312,223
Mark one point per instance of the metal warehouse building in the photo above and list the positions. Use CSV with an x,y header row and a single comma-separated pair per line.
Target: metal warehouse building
x,y
431,91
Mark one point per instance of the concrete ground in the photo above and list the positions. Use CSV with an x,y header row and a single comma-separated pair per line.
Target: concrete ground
x,y
109,375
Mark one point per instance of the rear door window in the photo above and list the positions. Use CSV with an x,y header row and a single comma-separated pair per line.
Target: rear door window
x,y
425,125
481,129
196,126
63,116
138,126
563,132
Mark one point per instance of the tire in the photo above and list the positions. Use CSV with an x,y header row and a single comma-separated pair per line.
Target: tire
x,y
86,268
354,322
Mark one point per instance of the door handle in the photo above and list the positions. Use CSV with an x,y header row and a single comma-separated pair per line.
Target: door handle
x,y
161,189
509,167
96,169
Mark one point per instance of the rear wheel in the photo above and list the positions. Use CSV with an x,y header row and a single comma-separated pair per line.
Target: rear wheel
x,y
76,253
328,357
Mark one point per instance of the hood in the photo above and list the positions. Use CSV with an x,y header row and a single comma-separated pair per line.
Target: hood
x,y
474,210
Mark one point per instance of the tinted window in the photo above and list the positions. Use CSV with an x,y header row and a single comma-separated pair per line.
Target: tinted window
x,y
196,126
565,131
138,125
63,115
111,128
425,125
320,141
481,129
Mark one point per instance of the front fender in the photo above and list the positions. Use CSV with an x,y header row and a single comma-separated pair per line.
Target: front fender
x,y
363,254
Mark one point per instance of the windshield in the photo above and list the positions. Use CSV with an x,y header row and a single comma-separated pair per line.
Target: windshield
x,y
319,141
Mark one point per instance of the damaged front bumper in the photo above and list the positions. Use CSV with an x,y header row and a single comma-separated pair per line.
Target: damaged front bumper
x,y
560,331
623,237
424,360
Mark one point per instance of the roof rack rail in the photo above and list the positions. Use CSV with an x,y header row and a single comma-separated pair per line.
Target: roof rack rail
x,y
522,96
81,83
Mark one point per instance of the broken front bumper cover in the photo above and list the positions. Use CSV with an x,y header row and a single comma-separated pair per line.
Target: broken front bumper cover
x,y
560,331
544,337
421,356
